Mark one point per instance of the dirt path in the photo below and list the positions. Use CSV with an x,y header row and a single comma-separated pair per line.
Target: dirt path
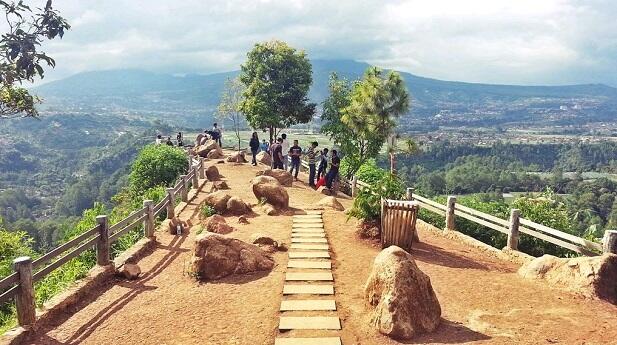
x,y
482,299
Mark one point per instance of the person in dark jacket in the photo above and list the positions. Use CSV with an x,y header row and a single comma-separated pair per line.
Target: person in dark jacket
x,y
333,173
254,144
323,164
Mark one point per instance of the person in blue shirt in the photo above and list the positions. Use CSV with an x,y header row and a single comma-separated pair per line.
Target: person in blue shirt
x,y
265,146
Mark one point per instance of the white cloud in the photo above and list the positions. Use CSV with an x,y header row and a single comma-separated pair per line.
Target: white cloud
x,y
500,41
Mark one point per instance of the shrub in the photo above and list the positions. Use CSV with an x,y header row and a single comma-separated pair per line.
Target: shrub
x,y
156,165
207,210
367,205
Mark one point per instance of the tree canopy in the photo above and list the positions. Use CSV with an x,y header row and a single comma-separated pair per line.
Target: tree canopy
x,y
20,56
229,107
277,80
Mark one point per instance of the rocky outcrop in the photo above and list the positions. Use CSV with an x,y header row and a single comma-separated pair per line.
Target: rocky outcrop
x,y
217,256
264,157
283,176
212,173
592,277
215,154
332,203
402,301
237,157
270,190
129,271
205,148
237,206
217,224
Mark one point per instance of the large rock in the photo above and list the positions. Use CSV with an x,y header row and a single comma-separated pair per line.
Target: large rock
x,y
237,157
332,203
217,224
212,173
283,176
401,296
268,188
205,147
237,206
215,154
264,157
593,277
218,200
217,256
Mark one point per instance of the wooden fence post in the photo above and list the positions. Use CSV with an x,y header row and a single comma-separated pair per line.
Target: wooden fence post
x,y
513,235
609,242
149,221
409,193
195,178
172,203
354,186
102,246
383,222
450,213
184,191
190,162
24,300
202,168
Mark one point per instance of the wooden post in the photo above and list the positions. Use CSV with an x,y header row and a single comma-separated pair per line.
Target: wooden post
x,y
149,221
190,162
383,223
172,203
409,193
354,186
195,178
24,300
202,168
609,242
450,213
515,216
102,246
184,190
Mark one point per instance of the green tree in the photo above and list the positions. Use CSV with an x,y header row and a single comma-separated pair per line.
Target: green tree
x,y
20,56
156,165
230,105
277,80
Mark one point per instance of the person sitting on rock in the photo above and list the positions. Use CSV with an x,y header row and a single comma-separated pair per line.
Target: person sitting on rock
x,y
169,142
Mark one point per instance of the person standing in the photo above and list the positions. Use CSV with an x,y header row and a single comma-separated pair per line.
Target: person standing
x,y
277,154
159,139
323,164
333,173
254,145
295,152
285,148
310,154
265,146
180,139
218,134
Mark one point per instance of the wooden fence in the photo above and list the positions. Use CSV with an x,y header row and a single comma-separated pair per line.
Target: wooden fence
x,y
512,227
20,284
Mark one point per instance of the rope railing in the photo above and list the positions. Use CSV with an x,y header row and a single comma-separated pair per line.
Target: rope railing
x,y
19,285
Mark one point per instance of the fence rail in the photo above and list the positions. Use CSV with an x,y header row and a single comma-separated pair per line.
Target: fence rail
x,y
19,285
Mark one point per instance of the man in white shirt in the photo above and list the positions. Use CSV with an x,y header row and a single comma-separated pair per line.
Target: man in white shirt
x,y
285,150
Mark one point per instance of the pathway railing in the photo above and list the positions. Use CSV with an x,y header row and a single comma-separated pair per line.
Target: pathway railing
x,y
20,284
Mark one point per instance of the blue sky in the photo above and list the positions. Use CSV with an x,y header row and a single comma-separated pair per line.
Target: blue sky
x,y
494,41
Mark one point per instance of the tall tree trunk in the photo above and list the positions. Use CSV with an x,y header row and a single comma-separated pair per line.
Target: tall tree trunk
x,y
271,134
392,163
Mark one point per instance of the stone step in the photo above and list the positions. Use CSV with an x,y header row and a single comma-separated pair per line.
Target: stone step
x,y
308,304
308,234
308,220
309,264
308,289
308,230
309,322
306,225
308,341
305,254
309,276
308,240
310,246
306,216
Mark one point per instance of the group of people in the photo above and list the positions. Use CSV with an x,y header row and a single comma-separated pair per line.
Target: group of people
x,y
282,154
179,140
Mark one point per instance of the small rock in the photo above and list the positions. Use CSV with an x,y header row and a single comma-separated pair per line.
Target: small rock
x,y
331,202
218,200
237,157
220,185
258,238
264,157
243,220
220,162
237,206
130,271
212,173
217,224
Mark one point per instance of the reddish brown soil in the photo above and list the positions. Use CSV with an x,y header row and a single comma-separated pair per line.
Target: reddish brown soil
x,y
482,298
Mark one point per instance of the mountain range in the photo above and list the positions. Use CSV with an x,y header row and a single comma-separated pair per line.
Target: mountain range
x,y
144,91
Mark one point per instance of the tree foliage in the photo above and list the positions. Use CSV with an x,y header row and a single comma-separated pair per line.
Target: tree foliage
x,y
156,165
229,107
21,58
277,80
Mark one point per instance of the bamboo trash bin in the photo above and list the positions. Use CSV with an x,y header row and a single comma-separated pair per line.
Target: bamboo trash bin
x,y
398,223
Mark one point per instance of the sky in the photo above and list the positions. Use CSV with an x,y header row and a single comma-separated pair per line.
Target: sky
x,y
490,41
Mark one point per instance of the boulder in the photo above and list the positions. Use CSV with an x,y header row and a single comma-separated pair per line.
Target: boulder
x,y
212,173
219,185
331,202
258,238
237,206
218,200
237,157
215,154
217,256
264,157
283,176
173,226
206,146
217,224
401,297
129,271
592,277
268,188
